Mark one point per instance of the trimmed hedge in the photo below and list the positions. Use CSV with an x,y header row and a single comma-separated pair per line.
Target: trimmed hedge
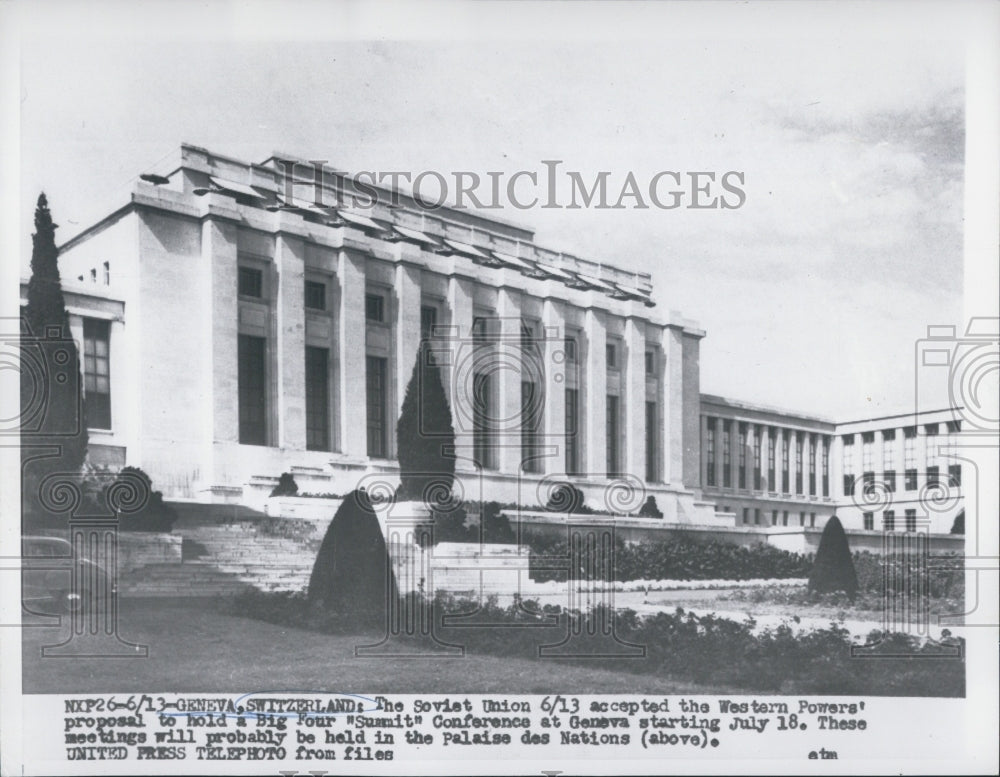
x,y
674,560
716,652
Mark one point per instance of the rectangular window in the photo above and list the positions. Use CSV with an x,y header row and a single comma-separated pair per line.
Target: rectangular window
x,y
569,348
652,438
888,449
375,307
97,373
911,520
889,520
774,517
784,518
869,521
315,295
482,427
529,338
889,479
955,475
317,398
931,443
710,452
772,440
933,476
376,393
910,447
480,330
746,515
530,461
756,516
848,440
611,356
727,432
428,321
93,275
612,429
251,282
650,363
252,379
757,435
798,463
742,453
954,427
812,465
572,432
785,482
867,445
107,273
802,519
826,466
910,480
812,520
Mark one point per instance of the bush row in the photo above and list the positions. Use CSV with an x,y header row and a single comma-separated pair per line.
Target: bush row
x,y
670,560
716,652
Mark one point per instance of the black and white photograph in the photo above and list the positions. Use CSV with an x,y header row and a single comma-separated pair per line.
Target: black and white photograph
x,y
500,387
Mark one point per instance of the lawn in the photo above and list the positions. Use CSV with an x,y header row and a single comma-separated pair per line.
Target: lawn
x,y
197,645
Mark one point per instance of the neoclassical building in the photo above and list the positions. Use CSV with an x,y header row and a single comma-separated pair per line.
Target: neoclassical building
x,y
232,332
774,468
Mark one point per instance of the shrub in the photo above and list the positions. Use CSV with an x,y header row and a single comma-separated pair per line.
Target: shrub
x,y
833,569
958,526
154,516
566,498
286,486
426,435
650,509
352,576
706,649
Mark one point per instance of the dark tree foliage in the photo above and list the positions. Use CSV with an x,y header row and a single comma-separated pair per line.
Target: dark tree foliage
x,y
958,527
52,415
286,486
352,576
833,568
566,498
650,509
426,435
155,515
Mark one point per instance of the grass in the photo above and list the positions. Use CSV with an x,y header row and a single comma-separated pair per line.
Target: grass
x,y
198,645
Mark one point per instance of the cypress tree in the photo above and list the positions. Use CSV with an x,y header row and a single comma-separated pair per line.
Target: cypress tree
x,y
426,434
52,415
833,568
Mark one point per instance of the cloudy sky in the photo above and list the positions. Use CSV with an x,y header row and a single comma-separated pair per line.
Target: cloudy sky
x,y
812,294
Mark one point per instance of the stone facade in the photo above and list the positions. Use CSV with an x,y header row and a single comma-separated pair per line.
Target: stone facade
x,y
171,262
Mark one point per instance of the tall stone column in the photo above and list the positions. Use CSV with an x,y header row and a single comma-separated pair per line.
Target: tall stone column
x,y
407,326
289,259
456,361
554,440
219,252
673,406
509,375
594,409
351,336
634,395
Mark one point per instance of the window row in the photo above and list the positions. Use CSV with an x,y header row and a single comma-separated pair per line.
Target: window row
x,y
889,520
889,479
754,471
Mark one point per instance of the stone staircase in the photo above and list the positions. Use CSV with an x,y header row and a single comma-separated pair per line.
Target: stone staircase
x,y
230,553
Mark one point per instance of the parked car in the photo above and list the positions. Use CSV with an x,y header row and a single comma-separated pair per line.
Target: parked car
x,y
47,577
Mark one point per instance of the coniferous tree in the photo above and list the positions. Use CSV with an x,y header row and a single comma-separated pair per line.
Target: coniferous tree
x,y
426,435
833,569
52,412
